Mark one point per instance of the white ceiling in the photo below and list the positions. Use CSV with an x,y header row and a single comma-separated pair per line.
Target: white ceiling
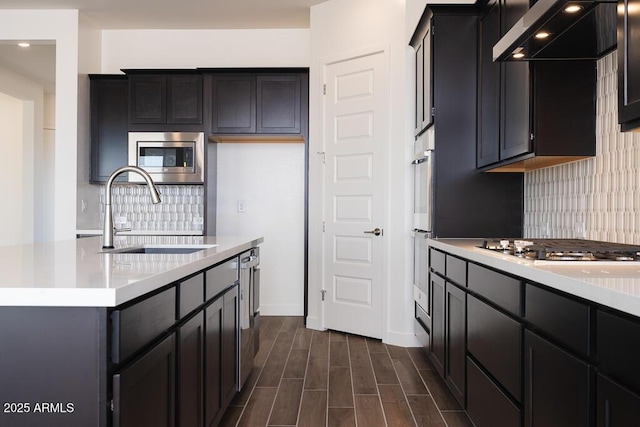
x,y
182,14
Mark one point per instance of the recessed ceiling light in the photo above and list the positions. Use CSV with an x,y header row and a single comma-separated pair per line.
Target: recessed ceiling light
x,y
518,55
542,35
24,44
573,8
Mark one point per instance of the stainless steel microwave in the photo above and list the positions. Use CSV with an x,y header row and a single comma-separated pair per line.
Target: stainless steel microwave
x,y
169,157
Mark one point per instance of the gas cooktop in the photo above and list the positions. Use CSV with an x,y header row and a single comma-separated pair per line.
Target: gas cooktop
x,y
574,250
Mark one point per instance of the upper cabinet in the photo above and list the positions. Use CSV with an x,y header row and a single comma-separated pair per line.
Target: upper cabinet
x,y
530,115
422,42
109,123
628,65
257,103
164,101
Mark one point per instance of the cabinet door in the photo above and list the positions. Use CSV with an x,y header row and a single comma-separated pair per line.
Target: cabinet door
x,y
437,322
144,391
148,103
556,386
184,99
109,126
230,356
628,62
233,104
278,104
427,77
615,405
456,325
190,371
489,90
515,123
213,363
419,98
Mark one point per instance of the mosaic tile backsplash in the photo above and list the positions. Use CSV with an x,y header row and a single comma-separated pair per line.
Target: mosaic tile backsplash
x,y
181,208
596,198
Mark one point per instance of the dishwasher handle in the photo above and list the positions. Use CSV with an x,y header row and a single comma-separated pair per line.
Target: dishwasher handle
x,y
249,262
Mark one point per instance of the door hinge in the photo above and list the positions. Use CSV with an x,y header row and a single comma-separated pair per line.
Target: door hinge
x,y
433,111
324,89
531,137
324,226
111,405
324,156
323,292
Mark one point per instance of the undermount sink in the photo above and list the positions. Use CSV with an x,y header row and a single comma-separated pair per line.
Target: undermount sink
x,y
161,249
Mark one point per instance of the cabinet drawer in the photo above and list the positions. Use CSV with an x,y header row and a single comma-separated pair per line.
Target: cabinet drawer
x,y
495,341
487,405
221,277
456,270
563,318
191,294
618,345
502,290
437,261
422,317
138,324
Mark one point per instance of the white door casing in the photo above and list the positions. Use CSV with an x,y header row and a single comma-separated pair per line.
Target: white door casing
x,y
355,140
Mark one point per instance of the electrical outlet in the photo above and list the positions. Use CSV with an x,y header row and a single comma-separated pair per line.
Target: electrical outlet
x,y
241,206
580,231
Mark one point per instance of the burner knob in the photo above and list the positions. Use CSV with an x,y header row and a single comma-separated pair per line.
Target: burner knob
x,y
520,244
504,244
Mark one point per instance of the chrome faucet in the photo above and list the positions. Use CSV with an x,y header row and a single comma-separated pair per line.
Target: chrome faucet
x,y
107,230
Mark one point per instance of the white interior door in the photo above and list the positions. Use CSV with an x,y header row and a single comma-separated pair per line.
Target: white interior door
x,y
356,130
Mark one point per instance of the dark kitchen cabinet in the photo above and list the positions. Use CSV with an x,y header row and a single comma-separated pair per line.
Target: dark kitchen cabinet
x,y
438,340
422,43
144,391
448,327
628,65
109,125
616,406
456,341
167,100
190,372
221,355
258,103
213,362
556,391
230,337
530,114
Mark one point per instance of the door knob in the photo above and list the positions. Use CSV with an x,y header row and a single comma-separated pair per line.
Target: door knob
x,y
376,231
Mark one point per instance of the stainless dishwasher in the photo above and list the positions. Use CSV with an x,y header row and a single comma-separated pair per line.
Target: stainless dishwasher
x,y
249,311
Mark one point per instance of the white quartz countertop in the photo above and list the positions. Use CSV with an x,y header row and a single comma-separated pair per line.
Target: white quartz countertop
x,y
615,285
76,273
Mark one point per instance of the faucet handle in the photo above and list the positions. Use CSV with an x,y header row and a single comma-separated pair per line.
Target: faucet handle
x,y
119,230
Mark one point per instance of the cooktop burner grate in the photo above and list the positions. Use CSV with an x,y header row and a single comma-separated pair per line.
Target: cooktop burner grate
x,y
565,249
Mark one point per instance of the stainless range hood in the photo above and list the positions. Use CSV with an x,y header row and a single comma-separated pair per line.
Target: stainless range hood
x,y
588,33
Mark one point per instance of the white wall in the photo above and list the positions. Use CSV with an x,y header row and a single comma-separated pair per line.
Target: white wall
x,y
16,229
123,49
89,62
269,177
60,26
269,180
339,27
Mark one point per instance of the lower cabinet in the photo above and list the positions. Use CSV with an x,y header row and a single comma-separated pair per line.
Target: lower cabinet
x,y
438,343
448,334
213,362
144,391
456,341
616,406
189,377
556,391
190,372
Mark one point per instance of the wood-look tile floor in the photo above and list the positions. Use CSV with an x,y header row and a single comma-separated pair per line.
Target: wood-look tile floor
x,y
304,377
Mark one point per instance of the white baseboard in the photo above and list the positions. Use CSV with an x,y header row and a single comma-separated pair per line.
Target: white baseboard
x,y
281,310
401,339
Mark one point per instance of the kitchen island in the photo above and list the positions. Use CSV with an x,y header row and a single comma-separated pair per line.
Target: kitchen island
x,y
524,343
93,338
